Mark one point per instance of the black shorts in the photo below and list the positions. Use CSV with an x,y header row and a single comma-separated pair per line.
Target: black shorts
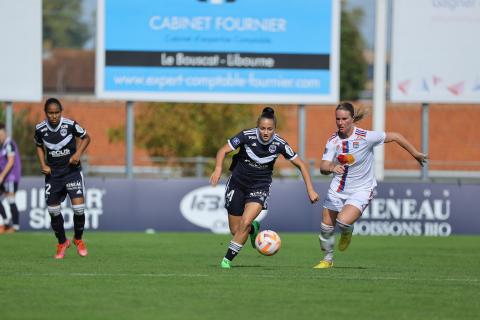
x,y
237,195
9,187
57,188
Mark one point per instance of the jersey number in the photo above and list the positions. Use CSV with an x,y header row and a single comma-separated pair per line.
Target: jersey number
x,y
48,186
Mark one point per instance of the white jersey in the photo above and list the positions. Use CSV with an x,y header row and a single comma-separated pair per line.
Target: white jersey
x,y
356,154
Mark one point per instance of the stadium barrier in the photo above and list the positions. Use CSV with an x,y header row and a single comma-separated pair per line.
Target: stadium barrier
x,y
398,209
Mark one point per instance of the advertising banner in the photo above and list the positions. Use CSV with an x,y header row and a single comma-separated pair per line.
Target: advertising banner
x,y
21,50
398,209
237,51
435,51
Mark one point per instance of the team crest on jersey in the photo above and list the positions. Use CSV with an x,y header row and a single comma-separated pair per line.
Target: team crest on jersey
x,y
63,132
356,144
272,148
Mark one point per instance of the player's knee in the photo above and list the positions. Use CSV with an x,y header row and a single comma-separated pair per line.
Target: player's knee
x,y
78,209
54,211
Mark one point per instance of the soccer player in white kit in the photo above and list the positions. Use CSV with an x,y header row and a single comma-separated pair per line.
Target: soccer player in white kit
x,y
349,156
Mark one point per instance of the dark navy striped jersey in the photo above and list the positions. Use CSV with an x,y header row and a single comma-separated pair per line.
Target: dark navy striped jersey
x,y
253,165
59,144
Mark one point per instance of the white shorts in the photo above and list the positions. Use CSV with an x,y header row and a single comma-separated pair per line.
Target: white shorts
x,y
336,201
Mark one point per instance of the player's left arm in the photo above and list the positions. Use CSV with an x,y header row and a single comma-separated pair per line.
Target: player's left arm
x,y
405,144
81,147
312,194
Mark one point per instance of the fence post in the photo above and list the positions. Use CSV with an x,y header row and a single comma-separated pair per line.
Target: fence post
x,y
199,167
311,164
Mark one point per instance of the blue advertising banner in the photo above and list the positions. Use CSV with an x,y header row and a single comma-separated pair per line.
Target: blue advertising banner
x,y
398,209
218,50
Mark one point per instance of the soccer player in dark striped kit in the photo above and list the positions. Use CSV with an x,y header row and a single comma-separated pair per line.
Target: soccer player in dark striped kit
x,y
248,188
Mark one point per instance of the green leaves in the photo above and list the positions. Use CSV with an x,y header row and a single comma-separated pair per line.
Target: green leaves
x,y
353,66
186,130
62,25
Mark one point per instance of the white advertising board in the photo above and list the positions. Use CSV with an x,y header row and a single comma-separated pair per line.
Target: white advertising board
x,y
20,50
435,51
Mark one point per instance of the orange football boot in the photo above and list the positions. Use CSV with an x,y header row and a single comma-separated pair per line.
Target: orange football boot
x,y
81,247
61,249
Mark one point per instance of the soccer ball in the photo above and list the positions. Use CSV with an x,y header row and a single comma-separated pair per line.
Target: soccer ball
x,y
268,242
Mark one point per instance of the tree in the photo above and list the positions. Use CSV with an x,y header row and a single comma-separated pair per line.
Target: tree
x,y
178,130
353,67
62,24
187,130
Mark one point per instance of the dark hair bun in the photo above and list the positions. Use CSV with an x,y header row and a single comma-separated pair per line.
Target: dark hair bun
x,y
268,110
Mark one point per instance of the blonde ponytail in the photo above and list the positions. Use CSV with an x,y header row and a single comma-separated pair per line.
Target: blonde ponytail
x,y
359,114
356,113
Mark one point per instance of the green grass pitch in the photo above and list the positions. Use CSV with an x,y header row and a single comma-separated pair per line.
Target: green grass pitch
x,y
177,276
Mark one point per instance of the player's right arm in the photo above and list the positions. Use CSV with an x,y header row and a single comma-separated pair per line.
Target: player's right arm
x,y
327,166
41,153
217,173
41,158
232,144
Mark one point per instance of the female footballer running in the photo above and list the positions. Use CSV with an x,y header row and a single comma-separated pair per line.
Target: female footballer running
x,y
248,188
349,156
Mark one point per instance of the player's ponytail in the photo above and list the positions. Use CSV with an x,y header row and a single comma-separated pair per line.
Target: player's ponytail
x,y
267,113
356,113
52,101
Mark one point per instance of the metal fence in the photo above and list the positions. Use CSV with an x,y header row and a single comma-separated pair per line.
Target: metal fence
x,y
202,167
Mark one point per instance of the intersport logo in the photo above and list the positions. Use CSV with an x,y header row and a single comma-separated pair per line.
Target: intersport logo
x,y
204,207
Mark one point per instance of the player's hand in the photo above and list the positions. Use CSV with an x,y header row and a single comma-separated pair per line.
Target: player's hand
x,y
74,160
421,158
313,195
215,177
1,179
46,170
338,169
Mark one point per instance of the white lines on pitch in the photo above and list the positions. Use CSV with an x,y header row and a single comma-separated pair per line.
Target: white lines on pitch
x,y
236,274
159,275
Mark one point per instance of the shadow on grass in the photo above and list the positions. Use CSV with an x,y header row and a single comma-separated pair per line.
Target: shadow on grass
x,y
242,266
351,267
